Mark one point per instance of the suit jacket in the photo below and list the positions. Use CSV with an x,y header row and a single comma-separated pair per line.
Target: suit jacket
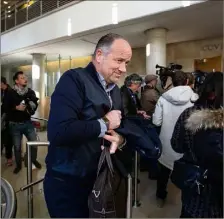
x,y
130,101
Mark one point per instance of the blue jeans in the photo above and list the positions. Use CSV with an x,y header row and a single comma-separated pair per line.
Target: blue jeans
x,y
17,131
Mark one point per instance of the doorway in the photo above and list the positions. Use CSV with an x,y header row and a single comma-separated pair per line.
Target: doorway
x,y
208,64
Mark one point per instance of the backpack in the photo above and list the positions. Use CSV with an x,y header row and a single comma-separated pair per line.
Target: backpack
x,y
102,198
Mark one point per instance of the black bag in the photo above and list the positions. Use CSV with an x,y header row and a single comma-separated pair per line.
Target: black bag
x,y
102,199
187,175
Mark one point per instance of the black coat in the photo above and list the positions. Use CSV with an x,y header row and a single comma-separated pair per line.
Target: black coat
x,y
202,132
13,99
78,101
130,107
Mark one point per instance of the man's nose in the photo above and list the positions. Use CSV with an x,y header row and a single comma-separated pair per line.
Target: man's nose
x,y
122,68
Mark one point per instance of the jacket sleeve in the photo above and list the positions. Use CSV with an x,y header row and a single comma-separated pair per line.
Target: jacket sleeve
x,y
33,100
125,103
177,139
157,117
181,137
65,126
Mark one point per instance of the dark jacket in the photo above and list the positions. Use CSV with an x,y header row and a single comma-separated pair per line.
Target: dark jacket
x,y
13,99
4,94
77,102
202,132
130,101
149,99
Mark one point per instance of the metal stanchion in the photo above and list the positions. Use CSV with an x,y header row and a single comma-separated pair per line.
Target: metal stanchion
x,y
129,198
136,195
30,144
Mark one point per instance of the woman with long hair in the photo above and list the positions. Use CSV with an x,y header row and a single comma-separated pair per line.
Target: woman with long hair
x,y
198,134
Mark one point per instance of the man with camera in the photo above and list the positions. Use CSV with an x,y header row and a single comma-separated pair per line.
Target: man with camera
x,y
20,104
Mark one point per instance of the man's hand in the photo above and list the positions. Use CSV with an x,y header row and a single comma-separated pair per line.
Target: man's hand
x,y
21,107
144,114
115,139
114,118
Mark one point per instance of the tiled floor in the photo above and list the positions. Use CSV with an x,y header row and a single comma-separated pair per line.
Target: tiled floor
x,y
147,190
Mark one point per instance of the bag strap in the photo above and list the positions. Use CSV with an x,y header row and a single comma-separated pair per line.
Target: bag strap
x,y
101,161
105,156
109,161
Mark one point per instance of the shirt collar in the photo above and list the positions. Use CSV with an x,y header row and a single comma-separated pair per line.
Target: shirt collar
x,y
108,88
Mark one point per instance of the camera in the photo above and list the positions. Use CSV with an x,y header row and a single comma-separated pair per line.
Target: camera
x,y
165,72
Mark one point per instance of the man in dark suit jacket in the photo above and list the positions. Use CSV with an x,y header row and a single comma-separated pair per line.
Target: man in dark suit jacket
x,y
129,93
85,109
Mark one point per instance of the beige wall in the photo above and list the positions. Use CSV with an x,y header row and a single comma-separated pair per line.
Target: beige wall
x,y
182,53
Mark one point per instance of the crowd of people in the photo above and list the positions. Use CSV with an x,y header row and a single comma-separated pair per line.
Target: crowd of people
x,y
87,111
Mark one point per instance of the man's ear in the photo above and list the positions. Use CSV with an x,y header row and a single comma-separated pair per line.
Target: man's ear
x,y
187,81
99,55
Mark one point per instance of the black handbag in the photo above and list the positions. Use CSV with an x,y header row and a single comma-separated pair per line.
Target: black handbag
x,y
102,199
186,175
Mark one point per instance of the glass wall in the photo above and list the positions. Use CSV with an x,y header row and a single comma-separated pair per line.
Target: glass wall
x,y
54,69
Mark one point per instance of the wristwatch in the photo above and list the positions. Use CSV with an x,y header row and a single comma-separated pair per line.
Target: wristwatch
x,y
107,122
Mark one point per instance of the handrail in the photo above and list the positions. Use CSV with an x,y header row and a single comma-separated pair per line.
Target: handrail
x,y
15,18
41,119
30,144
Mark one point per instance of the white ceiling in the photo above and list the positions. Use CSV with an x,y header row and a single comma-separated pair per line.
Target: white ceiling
x,y
198,21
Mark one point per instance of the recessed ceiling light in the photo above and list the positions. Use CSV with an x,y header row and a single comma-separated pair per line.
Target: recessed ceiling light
x,y
9,6
5,2
9,15
9,11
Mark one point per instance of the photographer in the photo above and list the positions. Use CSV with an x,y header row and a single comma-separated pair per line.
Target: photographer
x,y
20,104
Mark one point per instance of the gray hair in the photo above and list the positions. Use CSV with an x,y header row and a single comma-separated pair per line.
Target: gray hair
x,y
105,42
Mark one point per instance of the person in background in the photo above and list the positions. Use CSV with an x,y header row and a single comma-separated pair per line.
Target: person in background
x,y
149,98
85,109
150,94
168,108
132,107
199,131
129,93
6,139
20,104
191,80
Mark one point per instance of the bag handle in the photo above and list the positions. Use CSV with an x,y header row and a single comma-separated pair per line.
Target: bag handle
x,y
101,161
109,161
105,157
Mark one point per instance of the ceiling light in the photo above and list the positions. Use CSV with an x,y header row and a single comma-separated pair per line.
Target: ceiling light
x,y
69,27
5,2
9,6
9,15
114,14
9,11
186,3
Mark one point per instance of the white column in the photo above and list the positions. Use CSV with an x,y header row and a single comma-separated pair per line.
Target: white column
x,y
155,49
38,82
6,72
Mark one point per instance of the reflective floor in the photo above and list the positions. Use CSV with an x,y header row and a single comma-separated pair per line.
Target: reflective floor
x,y
148,208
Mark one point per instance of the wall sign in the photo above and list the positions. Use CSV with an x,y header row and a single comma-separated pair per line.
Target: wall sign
x,y
212,47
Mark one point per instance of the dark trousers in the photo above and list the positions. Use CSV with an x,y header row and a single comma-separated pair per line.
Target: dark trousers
x,y
185,214
6,142
17,131
162,181
67,197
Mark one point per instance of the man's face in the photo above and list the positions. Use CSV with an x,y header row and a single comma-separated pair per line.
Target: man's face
x,y
135,87
113,64
21,80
